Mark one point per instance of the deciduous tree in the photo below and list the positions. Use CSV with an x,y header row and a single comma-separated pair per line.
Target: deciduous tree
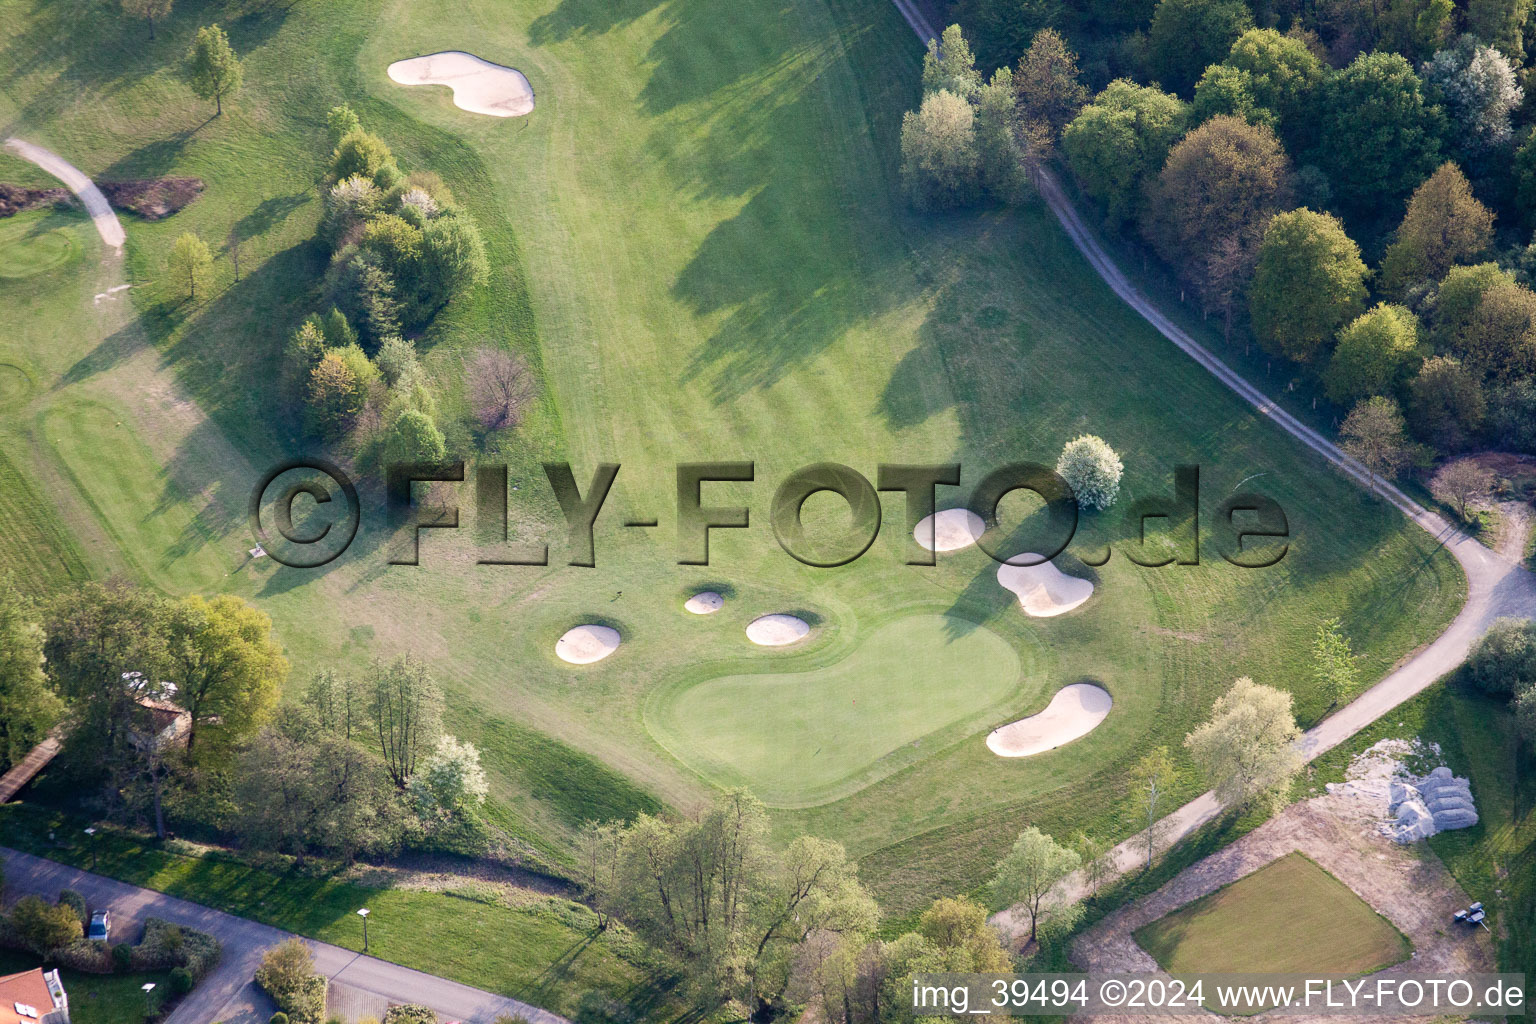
x,y
1121,140
1151,781
212,69
938,152
949,65
1334,663
1380,137
1374,355
1477,86
1092,469
1221,184
500,387
28,707
1027,875
1373,435
1308,282
225,662
190,263
1446,406
406,708
1499,339
1444,225
1187,36
1050,90
1247,747
1457,483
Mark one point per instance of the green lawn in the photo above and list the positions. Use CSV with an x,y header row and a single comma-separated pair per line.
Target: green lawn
x,y
541,949
1290,916
696,240
95,998
796,737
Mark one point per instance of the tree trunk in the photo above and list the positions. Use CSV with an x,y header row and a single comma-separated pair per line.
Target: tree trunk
x,y
151,28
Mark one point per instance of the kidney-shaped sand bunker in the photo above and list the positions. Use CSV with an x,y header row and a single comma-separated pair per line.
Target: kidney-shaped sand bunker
x,y
479,86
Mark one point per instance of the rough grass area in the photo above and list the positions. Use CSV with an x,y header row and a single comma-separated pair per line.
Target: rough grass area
x,y
95,998
544,950
1290,916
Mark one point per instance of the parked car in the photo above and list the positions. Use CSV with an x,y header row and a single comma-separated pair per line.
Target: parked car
x,y
101,926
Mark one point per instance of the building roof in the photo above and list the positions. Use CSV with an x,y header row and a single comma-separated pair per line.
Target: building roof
x,y
27,989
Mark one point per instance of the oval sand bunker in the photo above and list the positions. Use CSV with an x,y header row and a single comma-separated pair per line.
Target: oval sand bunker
x,y
1043,590
479,86
705,602
777,630
949,530
585,644
1073,713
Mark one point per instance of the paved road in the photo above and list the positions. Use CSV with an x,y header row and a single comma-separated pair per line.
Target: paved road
x,y
1496,585
224,989
95,203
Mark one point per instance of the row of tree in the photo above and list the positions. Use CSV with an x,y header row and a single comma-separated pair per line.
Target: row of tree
x,y
1444,359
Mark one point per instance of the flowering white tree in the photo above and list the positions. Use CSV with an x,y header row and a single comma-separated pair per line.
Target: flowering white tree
x,y
1477,84
450,780
1092,469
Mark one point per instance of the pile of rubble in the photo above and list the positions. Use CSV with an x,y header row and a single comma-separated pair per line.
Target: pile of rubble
x,y
1437,802
1412,807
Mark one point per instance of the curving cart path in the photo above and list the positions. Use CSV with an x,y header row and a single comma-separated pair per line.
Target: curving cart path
x,y
1497,586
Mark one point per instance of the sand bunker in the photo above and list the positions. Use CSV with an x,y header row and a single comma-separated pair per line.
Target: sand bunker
x,y
479,86
949,530
1073,713
95,203
585,644
1043,589
705,602
777,630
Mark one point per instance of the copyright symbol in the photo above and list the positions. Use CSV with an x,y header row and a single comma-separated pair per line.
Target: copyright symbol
x,y
323,529
1112,992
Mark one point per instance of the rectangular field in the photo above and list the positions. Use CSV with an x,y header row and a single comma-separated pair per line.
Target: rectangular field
x,y
1288,916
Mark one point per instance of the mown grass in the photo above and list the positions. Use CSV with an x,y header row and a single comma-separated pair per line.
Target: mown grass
x,y
1290,916
544,950
697,240
96,998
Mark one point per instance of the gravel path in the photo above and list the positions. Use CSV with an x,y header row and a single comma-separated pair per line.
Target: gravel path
x,y
95,203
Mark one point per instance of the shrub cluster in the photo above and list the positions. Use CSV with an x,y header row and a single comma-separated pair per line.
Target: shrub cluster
x,y
1503,664
287,974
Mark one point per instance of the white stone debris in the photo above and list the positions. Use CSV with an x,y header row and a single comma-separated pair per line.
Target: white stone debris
x,y
1411,808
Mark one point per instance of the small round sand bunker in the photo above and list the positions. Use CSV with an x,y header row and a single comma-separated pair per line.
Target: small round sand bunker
x,y
1073,713
777,630
949,530
1043,590
479,86
583,645
705,602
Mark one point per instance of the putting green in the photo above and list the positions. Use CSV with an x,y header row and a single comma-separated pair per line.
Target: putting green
x,y
28,249
805,737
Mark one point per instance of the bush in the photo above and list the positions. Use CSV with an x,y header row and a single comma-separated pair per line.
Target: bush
x,y
89,957
44,927
409,1013
1092,469
181,981
1503,662
287,974
122,958
167,946
71,898
278,1018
